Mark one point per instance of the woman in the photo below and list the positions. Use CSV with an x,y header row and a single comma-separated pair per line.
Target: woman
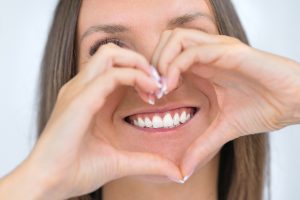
x,y
192,127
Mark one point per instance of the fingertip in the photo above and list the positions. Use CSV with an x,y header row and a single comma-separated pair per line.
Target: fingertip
x,y
151,99
144,96
150,164
186,166
147,84
154,74
164,88
171,81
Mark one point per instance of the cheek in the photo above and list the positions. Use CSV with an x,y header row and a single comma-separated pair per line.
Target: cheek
x,y
104,120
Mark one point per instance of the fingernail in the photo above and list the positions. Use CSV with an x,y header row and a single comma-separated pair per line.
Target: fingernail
x,y
176,180
151,99
159,94
185,178
164,85
155,74
159,85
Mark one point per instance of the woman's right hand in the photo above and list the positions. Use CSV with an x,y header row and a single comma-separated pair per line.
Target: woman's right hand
x,y
71,160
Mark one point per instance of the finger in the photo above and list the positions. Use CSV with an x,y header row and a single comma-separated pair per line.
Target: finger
x,y
162,42
211,56
88,101
137,163
111,55
206,146
96,92
146,97
178,41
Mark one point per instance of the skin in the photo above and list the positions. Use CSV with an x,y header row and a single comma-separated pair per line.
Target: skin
x,y
83,147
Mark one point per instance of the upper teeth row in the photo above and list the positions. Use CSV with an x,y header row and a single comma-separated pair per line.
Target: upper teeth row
x,y
166,122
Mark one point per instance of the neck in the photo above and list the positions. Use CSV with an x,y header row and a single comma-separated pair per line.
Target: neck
x,y
201,185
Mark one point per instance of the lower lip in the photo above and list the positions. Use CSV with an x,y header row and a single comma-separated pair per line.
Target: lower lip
x,y
157,130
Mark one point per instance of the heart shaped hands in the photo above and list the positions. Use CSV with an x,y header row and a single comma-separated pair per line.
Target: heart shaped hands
x,y
256,92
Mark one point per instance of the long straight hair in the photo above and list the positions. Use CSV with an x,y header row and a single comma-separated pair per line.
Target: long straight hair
x,y
244,162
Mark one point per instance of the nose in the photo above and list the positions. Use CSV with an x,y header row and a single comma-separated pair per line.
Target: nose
x,y
149,46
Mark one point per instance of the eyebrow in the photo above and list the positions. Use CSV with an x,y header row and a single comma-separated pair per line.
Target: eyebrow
x,y
118,28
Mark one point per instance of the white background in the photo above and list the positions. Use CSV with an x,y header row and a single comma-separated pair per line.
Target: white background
x,y
272,25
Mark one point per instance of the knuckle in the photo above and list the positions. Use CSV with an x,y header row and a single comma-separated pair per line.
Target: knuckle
x,y
139,76
167,32
62,91
107,49
141,58
228,39
241,48
113,76
225,37
178,33
178,30
235,40
137,58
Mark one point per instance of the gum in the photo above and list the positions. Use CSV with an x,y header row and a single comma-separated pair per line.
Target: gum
x,y
162,114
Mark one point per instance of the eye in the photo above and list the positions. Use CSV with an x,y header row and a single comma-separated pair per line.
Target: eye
x,y
99,43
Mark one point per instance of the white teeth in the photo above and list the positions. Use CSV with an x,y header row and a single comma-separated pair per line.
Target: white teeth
x,y
168,121
135,122
176,119
141,123
157,122
183,117
148,122
188,116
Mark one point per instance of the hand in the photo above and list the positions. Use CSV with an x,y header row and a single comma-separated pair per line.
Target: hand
x,y
72,160
256,91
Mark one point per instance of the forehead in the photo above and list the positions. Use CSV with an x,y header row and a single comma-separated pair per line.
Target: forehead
x,y
136,12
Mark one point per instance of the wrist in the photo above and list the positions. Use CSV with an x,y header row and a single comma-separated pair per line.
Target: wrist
x,y
25,183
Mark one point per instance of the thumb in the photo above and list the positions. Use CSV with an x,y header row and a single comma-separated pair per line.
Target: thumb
x,y
205,147
140,163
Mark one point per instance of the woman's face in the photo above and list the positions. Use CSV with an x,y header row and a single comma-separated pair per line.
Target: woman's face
x,y
146,21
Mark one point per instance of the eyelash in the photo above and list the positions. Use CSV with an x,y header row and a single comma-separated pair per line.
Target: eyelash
x,y
116,41
99,43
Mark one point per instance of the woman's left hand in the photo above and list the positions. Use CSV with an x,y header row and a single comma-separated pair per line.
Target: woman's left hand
x,y
256,91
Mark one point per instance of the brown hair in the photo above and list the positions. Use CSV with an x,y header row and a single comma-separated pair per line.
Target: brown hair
x,y
244,162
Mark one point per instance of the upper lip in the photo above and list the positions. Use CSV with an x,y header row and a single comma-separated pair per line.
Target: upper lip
x,y
159,109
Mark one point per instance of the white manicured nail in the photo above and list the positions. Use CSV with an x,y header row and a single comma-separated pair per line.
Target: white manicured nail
x,y
187,177
176,180
155,74
159,94
151,100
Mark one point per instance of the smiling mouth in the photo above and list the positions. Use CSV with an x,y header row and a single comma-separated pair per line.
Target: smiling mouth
x,y
165,120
